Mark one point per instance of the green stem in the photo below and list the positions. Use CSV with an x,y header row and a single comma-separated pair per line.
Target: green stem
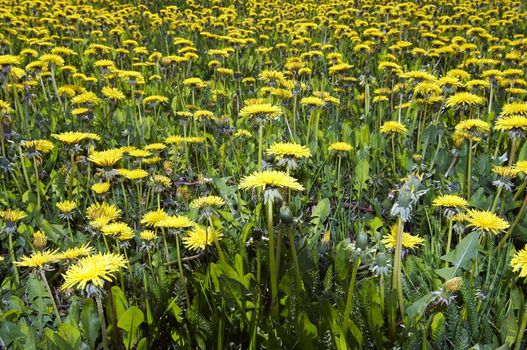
x,y
469,168
514,223
449,239
216,242
103,322
55,308
13,259
37,181
72,175
181,276
519,337
495,202
260,142
349,299
393,155
396,274
272,260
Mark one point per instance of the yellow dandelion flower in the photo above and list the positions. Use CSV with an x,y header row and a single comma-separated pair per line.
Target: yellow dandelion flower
x,y
101,187
340,147
151,218
208,201
450,201
486,221
288,149
76,252
199,237
93,270
271,178
42,146
175,222
409,241
394,127
106,158
38,259
66,207
519,262
464,99
148,235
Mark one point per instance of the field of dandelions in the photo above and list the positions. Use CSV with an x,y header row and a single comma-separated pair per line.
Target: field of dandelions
x,y
228,174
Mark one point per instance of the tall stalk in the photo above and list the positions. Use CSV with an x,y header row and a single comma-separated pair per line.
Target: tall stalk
x,y
272,260
397,265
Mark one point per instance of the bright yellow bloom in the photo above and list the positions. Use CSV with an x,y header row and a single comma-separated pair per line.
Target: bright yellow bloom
x,y
113,93
151,218
521,166
66,206
175,222
87,97
103,209
505,171
511,123
340,147
409,241
43,146
200,238
450,201
148,235
155,99
101,187
12,215
514,108
289,149
464,99
93,270
261,110
134,174
519,262
73,137
76,252
486,221
106,158
208,201
9,60
38,259
117,229
393,127
312,101
270,178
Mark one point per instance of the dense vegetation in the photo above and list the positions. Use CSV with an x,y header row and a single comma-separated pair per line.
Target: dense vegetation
x,y
263,174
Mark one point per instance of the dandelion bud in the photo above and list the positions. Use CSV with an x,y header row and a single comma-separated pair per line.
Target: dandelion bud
x,y
286,216
362,241
40,240
453,284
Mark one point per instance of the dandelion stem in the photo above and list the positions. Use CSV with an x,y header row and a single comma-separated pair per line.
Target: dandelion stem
x,y
349,299
469,168
13,258
43,275
103,322
181,276
449,239
396,274
272,260
514,223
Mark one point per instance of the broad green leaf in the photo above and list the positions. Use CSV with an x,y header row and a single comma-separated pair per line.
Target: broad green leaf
x,y
90,322
362,174
130,322
321,212
461,257
509,330
417,309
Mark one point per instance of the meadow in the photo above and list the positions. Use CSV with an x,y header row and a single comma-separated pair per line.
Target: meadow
x,y
263,174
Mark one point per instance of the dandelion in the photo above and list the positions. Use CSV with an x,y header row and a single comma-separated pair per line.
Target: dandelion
x,y
199,237
409,241
486,222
